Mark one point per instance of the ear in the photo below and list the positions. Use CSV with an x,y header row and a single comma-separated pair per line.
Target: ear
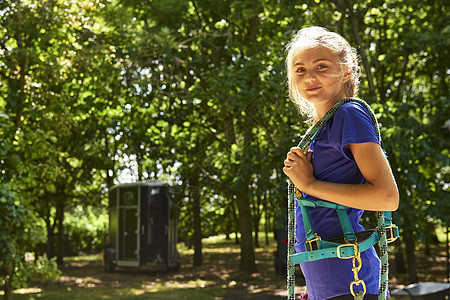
x,y
348,74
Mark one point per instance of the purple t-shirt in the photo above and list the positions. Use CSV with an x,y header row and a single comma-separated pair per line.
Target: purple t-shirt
x,y
332,162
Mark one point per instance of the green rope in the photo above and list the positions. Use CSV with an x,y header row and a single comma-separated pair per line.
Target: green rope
x,y
304,143
358,296
291,242
384,256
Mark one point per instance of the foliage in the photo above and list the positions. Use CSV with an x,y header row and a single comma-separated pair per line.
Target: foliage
x,y
193,92
40,63
18,236
85,230
41,267
18,232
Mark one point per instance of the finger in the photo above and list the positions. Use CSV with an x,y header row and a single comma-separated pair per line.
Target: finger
x,y
288,163
297,150
295,156
309,155
287,169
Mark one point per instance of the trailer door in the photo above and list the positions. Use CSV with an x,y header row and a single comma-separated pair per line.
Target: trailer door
x,y
128,248
130,237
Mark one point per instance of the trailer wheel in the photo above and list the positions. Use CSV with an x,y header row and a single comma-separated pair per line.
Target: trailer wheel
x,y
110,256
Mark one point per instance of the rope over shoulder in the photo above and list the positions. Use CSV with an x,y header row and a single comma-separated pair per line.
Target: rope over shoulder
x,y
316,248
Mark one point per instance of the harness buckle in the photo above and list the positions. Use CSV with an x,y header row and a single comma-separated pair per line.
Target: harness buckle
x,y
311,245
392,233
355,250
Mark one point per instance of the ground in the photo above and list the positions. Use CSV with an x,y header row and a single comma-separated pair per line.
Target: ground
x,y
218,278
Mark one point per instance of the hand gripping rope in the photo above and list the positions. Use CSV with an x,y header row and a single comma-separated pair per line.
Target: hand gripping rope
x,y
348,246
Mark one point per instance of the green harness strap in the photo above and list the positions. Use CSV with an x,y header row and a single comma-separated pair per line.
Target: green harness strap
x,y
316,248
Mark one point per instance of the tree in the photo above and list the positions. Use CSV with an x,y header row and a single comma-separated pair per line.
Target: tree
x,y
405,82
45,96
194,92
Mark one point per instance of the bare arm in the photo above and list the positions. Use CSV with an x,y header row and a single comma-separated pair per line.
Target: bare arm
x,y
379,194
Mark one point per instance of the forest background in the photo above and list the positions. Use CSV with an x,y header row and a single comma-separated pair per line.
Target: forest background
x,y
194,93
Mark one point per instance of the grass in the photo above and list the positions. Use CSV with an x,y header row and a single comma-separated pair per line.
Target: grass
x,y
217,279
124,293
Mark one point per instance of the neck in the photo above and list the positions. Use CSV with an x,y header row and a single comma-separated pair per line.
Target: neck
x,y
323,107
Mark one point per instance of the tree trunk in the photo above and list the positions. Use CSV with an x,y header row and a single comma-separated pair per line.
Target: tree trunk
x,y
256,219
228,221
230,137
195,195
247,262
400,264
267,219
22,66
355,29
50,235
236,228
59,217
256,230
140,169
410,255
430,237
7,288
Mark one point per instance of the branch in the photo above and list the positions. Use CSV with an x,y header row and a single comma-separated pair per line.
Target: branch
x,y
346,8
156,12
208,174
365,60
402,79
208,130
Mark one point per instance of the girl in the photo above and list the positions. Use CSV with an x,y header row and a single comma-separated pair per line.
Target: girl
x,y
345,163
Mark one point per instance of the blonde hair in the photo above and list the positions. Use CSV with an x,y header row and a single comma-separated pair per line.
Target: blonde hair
x,y
313,37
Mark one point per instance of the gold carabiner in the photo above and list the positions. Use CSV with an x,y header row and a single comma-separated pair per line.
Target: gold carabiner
x,y
357,264
353,283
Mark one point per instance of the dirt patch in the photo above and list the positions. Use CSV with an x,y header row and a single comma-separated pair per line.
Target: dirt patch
x,y
219,271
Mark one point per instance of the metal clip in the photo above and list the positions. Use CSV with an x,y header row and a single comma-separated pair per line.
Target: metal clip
x,y
393,233
357,264
309,244
358,282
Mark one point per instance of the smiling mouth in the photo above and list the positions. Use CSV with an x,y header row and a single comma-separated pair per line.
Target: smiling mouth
x,y
313,89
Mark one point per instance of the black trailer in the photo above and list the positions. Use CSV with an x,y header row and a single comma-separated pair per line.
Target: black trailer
x,y
142,227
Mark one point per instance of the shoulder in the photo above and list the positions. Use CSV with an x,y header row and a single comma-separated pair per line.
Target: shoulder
x,y
353,111
351,108
353,123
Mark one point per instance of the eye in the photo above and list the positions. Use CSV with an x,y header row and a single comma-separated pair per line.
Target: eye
x,y
300,70
322,67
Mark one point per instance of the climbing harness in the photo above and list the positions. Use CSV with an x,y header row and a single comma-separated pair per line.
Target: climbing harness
x,y
350,244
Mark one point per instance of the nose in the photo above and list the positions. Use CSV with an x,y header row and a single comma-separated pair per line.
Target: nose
x,y
310,76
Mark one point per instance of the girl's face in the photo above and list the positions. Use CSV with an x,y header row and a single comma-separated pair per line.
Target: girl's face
x,y
319,78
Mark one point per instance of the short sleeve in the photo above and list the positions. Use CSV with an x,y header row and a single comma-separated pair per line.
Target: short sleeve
x,y
352,124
